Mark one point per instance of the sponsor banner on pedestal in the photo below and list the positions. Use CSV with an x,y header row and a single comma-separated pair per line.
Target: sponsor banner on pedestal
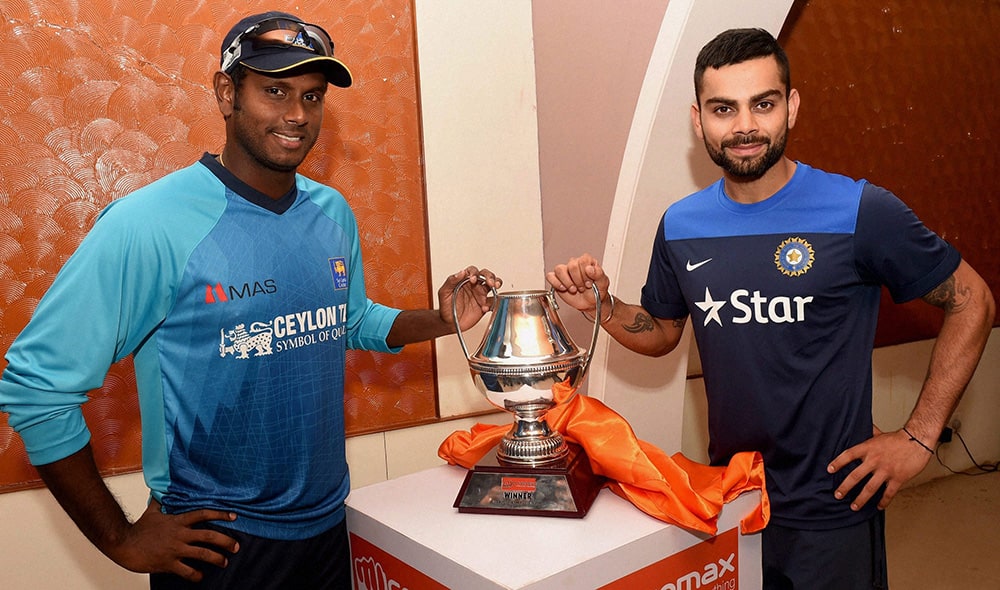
x,y
374,569
709,565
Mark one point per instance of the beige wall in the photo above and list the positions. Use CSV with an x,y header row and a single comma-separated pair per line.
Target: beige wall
x,y
491,172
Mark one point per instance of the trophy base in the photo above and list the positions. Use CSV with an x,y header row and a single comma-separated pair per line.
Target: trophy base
x,y
564,489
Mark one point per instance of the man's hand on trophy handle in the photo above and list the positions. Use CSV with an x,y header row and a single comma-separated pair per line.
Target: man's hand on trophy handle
x,y
574,282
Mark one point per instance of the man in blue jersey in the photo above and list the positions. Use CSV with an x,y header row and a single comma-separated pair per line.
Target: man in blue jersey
x,y
241,395
780,266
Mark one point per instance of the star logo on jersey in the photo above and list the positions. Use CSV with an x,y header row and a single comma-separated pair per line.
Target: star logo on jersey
x,y
712,308
794,257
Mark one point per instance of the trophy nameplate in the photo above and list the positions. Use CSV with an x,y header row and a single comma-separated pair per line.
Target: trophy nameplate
x,y
566,488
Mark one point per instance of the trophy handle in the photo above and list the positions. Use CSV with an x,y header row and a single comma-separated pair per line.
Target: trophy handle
x,y
454,310
597,325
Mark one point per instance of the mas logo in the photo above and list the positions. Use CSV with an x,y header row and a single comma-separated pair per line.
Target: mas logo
x,y
217,293
338,266
794,257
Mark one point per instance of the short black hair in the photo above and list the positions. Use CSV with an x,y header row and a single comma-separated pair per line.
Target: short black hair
x,y
737,46
238,74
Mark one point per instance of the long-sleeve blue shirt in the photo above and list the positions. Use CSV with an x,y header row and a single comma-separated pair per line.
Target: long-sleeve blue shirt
x,y
238,310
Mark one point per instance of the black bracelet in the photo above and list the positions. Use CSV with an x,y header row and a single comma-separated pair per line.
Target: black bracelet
x,y
917,440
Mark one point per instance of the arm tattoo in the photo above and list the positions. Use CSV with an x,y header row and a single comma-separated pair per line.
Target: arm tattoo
x,y
642,323
949,295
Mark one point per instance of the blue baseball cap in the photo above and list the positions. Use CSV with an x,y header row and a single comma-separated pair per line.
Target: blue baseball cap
x,y
277,43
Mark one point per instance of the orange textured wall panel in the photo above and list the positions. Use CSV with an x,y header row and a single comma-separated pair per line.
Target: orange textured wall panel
x,y
901,92
98,98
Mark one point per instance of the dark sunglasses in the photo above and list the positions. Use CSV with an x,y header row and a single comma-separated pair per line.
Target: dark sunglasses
x,y
279,33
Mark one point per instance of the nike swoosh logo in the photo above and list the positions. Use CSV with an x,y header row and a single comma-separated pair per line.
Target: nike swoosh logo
x,y
691,267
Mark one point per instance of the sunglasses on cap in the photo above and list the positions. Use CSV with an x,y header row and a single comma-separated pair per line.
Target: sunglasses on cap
x,y
279,33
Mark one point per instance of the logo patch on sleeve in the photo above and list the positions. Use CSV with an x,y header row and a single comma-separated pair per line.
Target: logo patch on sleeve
x,y
794,257
338,267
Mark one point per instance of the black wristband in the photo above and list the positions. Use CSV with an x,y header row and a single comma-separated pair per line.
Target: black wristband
x,y
917,440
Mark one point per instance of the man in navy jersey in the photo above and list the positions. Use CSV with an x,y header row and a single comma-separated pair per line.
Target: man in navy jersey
x,y
237,286
780,266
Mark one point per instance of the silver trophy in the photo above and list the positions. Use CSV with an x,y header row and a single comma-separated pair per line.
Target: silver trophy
x,y
525,352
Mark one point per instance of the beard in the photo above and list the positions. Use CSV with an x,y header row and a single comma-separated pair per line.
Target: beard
x,y
250,138
749,169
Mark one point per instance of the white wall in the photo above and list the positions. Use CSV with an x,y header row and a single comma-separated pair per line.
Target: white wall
x,y
483,197
477,93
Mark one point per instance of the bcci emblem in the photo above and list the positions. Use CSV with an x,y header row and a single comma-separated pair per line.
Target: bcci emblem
x,y
794,257
338,267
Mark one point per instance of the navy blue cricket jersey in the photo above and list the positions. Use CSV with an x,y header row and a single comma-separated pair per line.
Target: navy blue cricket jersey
x,y
783,297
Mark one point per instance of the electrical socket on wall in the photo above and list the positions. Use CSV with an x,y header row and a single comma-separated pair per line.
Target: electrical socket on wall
x,y
955,424
950,430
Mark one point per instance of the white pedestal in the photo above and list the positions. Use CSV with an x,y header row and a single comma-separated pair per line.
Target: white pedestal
x,y
405,534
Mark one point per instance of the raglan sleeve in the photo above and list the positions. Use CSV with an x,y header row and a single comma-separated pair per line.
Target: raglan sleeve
x,y
89,318
368,323
661,295
894,248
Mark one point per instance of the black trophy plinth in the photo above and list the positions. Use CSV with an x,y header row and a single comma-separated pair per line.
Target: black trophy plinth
x,y
564,489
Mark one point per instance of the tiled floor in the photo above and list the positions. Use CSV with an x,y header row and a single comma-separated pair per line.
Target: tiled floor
x,y
945,535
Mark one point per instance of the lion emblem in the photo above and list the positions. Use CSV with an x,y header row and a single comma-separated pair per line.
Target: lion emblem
x,y
241,342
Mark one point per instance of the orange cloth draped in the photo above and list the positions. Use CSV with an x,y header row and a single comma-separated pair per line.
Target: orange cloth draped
x,y
673,488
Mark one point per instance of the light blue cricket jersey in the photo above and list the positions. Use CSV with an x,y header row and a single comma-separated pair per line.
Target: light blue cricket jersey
x,y
238,311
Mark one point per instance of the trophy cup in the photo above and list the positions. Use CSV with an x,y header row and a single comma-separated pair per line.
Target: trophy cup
x,y
524,353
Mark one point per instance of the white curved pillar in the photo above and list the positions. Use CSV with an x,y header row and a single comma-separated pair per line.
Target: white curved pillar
x,y
663,162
